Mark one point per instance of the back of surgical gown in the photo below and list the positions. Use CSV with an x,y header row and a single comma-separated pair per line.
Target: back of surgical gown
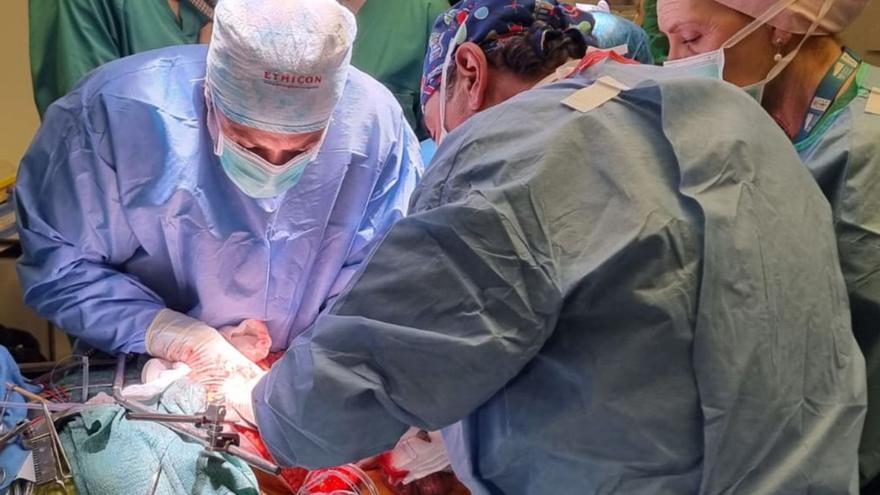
x,y
640,299
843,154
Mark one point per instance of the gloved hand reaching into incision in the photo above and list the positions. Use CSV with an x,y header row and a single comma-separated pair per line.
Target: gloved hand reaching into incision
x,y
417,454
176,337
418,465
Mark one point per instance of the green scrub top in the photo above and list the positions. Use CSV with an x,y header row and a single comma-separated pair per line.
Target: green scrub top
x,y
391,43
69,38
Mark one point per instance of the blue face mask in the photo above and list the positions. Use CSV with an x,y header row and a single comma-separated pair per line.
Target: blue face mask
x,y
255,176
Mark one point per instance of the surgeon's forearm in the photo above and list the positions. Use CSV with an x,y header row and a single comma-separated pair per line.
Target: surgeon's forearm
x,y
447,309
105,308
110,326
315,412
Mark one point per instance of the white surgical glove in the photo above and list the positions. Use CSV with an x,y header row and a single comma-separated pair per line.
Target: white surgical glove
x,y
156,376
237,392
251,338
176,337
419,454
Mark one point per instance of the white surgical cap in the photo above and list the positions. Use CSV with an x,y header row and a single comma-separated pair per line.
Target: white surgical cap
x,y
279,65
800,15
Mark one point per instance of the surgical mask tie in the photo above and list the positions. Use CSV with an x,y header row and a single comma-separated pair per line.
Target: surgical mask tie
x,y
456,40
711,63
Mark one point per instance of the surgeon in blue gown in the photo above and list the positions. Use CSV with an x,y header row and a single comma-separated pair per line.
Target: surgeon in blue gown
x,y
630,294
156,206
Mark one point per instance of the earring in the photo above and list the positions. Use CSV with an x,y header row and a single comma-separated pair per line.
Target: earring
x,y
778,42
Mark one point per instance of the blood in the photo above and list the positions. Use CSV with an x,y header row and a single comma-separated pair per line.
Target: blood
x,y
293,477
392,475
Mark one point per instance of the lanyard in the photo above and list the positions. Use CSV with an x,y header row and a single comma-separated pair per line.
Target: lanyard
x,y
828,89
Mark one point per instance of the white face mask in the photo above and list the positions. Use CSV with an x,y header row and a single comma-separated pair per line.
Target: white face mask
x,y
711,64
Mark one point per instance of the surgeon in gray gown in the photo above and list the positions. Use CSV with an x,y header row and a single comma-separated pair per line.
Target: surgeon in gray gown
x,y
634,293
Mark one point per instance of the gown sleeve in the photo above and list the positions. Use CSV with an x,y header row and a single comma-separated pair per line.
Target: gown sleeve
x,y
75,235
452,305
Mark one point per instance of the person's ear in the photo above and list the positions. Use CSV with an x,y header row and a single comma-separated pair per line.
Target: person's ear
x,y
472,74
780,40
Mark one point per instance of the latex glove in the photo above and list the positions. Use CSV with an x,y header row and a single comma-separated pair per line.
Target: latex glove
x,y
417,455
250,337
176,337
434,484
156,376
237,391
